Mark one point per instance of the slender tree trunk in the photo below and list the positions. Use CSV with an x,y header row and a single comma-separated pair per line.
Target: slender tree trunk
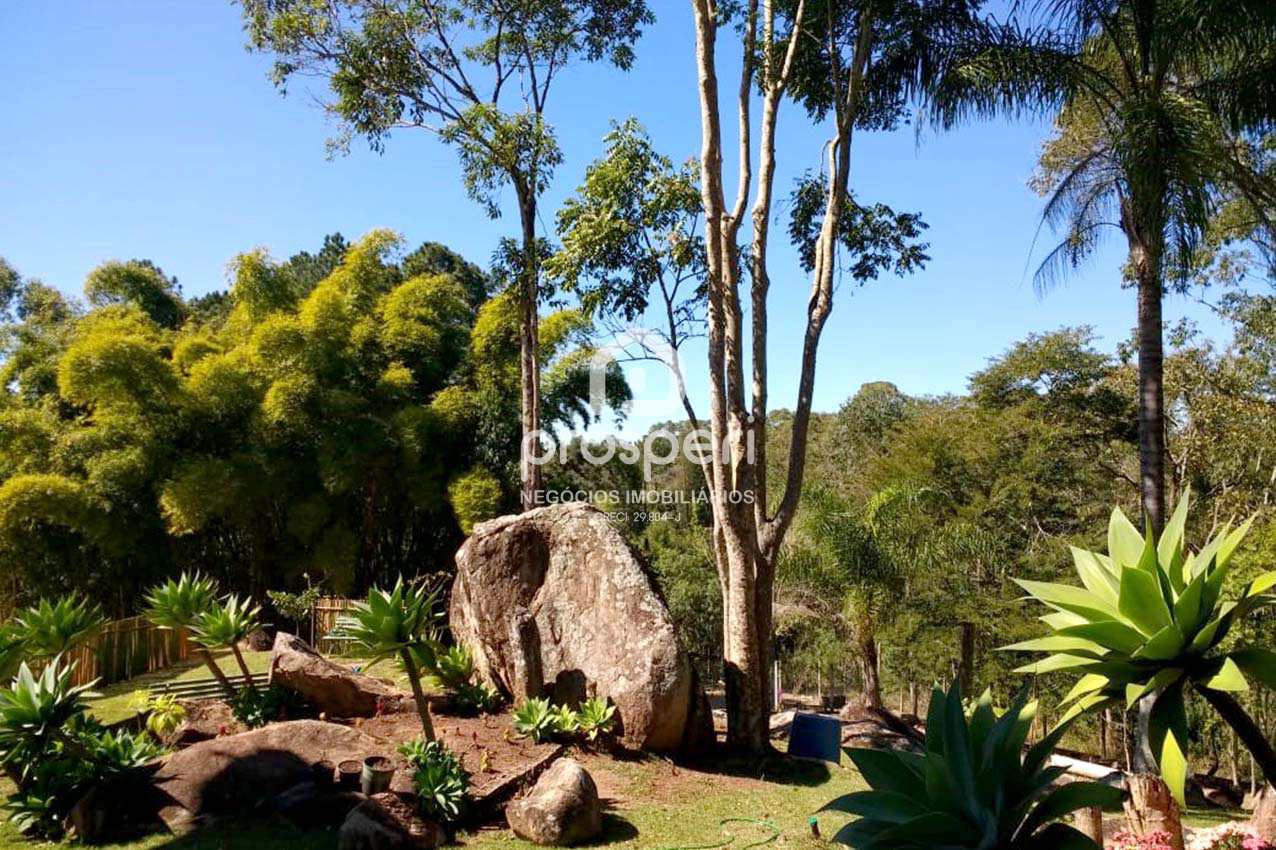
x,y
418,695
1151,400
966,659
868,668
211,663
529,354
1145,258
243,667
746,658
1260,748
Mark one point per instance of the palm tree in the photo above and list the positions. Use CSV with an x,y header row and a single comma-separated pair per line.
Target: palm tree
x,y
229,624
179,605
401,623
864,559
1153,101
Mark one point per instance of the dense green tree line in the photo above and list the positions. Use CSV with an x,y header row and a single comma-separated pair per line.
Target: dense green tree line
x,y
345,415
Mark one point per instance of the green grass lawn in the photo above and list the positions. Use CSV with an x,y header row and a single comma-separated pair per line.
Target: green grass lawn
x,y
118,701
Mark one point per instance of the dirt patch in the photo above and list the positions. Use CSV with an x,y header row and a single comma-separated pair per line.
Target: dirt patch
x,y
500,763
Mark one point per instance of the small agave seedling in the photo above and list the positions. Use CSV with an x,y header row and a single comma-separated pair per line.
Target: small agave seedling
x,y
1150,619
597,717
973,787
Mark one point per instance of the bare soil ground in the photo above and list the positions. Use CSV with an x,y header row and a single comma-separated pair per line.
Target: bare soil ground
x,y
499,762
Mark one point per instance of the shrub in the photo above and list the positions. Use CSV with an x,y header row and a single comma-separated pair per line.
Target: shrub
x,y
477,698
294,607
163,713
254,708
441,782
535,719
475,496
1157,839
974,786
452,667
566,721
53,751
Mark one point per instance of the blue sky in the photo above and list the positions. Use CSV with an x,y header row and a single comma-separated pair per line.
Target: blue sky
x,y
142,128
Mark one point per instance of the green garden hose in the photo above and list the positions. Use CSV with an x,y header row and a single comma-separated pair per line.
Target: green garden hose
x,y
765,824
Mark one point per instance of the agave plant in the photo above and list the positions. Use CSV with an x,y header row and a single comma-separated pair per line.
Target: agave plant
x,y
535,719
974,786
452,667
566,720
229,624
401,623
36,711
440,779
51,628
11,650
596,717
1150,619
179,605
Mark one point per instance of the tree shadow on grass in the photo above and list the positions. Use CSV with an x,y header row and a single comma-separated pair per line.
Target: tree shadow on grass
x,y
247,833
776,768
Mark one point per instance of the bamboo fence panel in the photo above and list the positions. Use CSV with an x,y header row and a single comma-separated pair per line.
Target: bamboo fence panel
x,y
126,648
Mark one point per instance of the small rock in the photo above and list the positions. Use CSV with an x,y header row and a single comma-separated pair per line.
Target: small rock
x,y
562,808
388,822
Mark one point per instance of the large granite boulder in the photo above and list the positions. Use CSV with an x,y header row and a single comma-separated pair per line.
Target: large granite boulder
x,y
331,688
562,809
553,602
237,773
388,822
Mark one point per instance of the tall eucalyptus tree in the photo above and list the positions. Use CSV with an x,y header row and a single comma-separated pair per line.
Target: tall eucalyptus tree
x,y
850,65
476,74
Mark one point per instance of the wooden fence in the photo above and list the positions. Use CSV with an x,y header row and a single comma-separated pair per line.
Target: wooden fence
x,y
327,610
123,649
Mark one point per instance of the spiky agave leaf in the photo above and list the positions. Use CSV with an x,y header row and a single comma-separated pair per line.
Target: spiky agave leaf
x,y
227,624
179,603
390,622
49,628
1150,618
973,786
34,711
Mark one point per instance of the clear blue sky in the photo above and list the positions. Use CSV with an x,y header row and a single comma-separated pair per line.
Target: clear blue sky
x,y
142,128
